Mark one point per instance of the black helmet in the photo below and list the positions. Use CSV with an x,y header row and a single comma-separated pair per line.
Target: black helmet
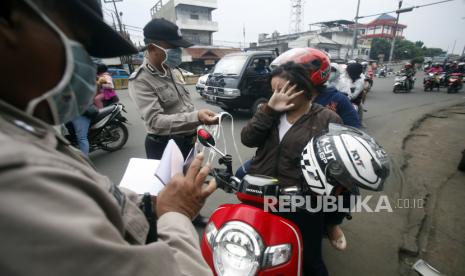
x,y
354,70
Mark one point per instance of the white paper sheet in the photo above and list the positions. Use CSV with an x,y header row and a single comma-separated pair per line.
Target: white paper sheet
x,y
140,176
171,163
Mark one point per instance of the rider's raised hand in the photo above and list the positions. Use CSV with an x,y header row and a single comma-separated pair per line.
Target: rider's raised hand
x,y
281,100
186,194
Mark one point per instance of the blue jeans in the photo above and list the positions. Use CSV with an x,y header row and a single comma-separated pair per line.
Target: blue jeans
x,y
81,128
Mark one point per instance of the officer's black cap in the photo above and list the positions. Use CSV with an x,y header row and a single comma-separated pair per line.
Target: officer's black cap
x,y
105,41
160,29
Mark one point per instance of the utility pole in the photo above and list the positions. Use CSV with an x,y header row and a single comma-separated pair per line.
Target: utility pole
x,y
120,25
354,38
243,33
453,47
393,43
124,59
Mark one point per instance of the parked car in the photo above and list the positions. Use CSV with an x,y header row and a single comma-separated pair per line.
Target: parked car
x,y
117,73
240,81
200,86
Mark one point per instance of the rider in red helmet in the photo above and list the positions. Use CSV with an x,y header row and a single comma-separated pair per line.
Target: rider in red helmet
x,y
318,64
279,130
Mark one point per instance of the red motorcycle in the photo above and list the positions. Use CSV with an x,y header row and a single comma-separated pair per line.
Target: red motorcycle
x,y
246,239
243,239
454,82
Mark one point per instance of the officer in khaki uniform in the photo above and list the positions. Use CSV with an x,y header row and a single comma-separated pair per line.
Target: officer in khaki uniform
x,y
159,93
58,216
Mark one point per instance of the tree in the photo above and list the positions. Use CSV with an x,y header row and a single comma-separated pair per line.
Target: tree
x,y
403,49
419,44
380,46
431,52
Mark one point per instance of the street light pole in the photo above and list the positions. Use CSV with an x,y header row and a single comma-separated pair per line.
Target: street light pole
x,y
391,52
354,38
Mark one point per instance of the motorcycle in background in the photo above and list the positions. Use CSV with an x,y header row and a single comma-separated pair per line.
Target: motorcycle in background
x,y
382,73
454,82
403,83
107,130
431,81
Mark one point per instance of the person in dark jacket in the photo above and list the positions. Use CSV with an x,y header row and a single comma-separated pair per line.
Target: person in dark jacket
x,y
280,130
331,98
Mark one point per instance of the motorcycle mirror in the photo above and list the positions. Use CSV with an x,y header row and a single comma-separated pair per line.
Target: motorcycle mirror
x,y
205,138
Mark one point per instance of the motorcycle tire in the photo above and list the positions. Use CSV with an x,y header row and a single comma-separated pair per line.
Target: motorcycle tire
x,y
449,90
122,139
394,90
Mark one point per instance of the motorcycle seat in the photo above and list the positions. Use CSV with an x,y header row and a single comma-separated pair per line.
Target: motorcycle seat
x,y
103,113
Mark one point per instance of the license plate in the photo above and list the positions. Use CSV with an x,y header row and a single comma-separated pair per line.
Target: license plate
x,y
211,98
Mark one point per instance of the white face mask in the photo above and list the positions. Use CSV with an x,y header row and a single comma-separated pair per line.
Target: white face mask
x,y
75,92
173,58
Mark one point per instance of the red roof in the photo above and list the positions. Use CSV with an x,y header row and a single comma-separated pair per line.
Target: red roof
x,y
209,53
384,19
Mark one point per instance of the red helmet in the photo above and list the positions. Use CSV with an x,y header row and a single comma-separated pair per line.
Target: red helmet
x,y
315,60
408,65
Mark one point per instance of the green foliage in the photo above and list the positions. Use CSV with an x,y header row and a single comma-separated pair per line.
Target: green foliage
x,y
404,49
417,60
431,52
380,46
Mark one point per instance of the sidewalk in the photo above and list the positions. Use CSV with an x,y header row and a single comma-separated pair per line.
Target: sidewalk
x,y
435,233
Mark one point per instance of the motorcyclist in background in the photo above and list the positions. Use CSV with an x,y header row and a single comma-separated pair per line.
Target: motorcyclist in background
x,y
356,78
338,79
435,69
461,67
409,72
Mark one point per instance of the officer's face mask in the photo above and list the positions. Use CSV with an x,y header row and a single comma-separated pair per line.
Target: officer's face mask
x,y
75,91
173,57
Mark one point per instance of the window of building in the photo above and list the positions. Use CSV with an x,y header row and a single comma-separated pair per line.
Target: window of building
x,y
194,16
387,29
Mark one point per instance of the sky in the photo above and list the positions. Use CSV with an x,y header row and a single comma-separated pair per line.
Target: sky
x,y
439,26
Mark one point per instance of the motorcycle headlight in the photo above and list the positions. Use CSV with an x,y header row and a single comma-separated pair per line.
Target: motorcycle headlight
x,y
277,255
237,249
210,233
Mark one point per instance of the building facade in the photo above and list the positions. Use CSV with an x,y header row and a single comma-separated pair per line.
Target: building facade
x,y
382,27
333,37
193,17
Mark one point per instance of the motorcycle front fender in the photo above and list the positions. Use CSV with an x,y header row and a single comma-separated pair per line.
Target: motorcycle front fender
x,y
273,229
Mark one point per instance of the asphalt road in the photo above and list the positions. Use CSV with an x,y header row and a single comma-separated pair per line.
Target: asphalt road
x,y
374,239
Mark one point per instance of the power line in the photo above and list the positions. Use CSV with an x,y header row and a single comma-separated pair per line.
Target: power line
x,y
407,9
